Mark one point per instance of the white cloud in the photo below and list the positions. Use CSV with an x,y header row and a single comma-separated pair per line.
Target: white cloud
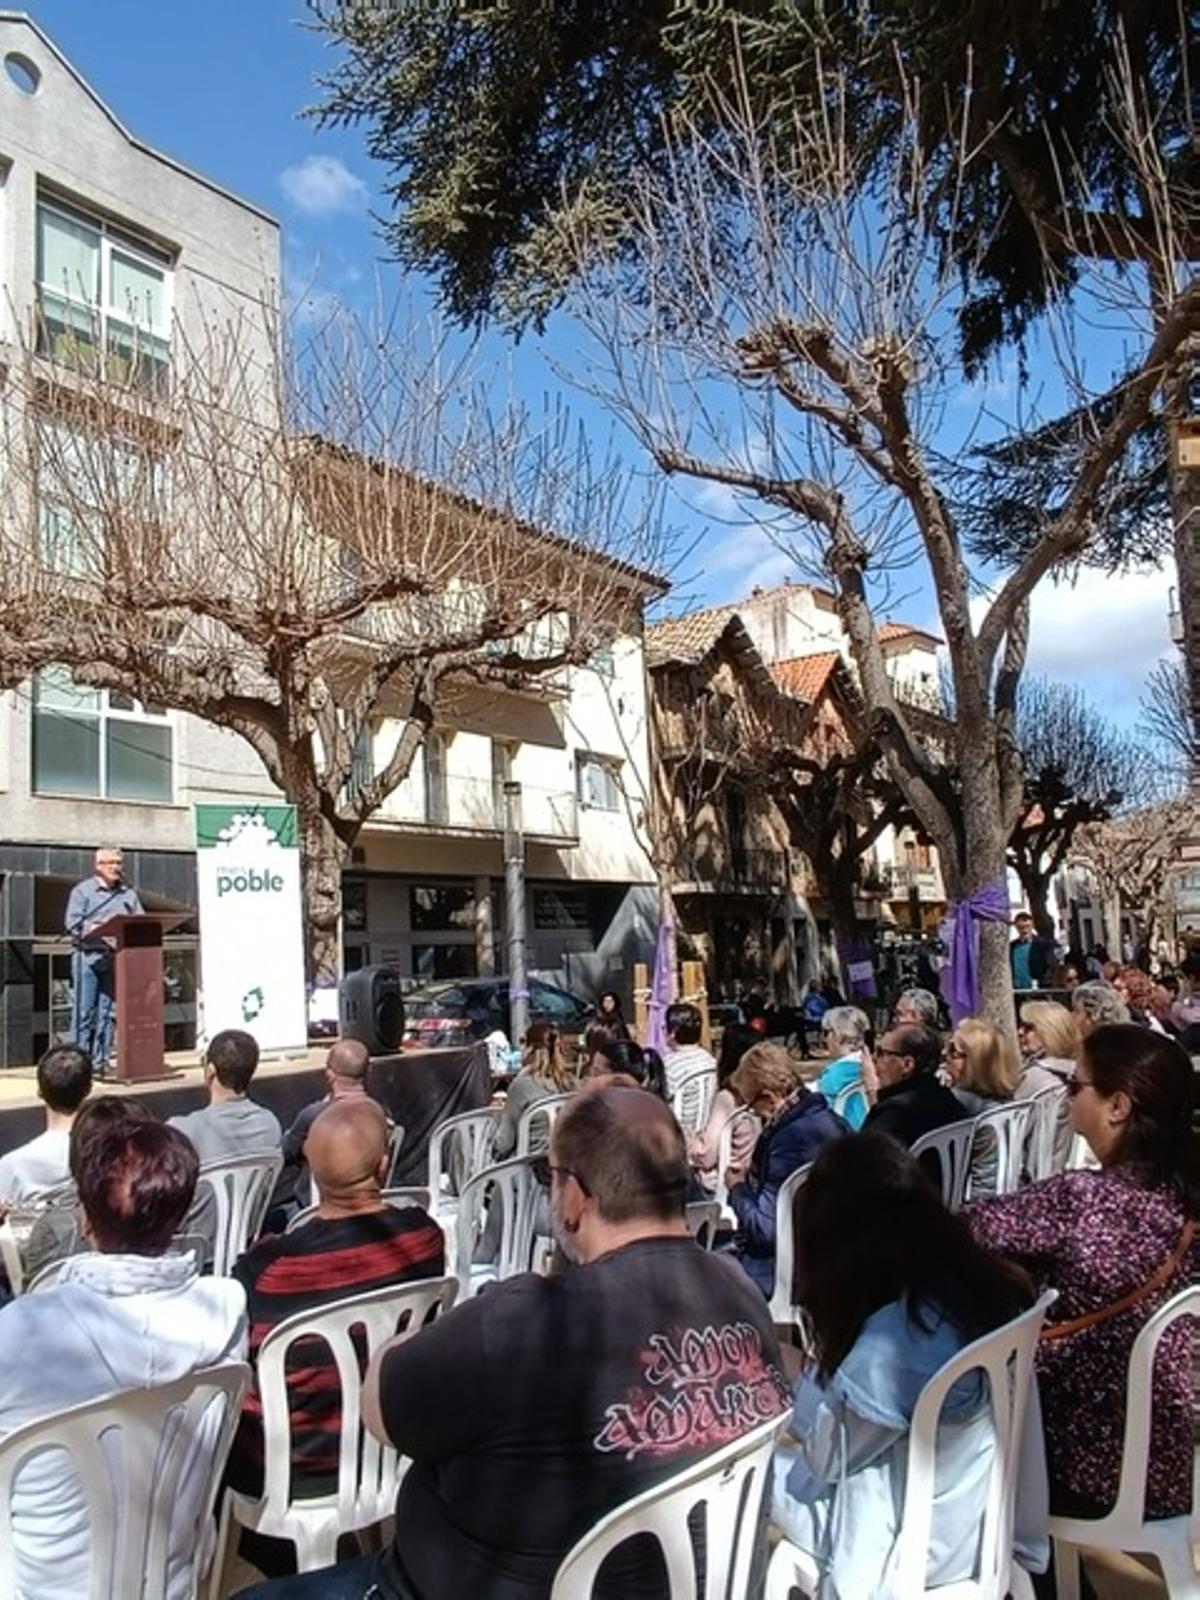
x,y
1100,632
321,186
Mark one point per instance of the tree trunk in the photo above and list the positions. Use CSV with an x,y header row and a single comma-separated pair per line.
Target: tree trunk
x,y
1036,887
984,860
324,856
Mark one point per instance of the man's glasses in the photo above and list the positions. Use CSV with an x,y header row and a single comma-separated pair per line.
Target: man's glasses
x,y
899,1054
544,1171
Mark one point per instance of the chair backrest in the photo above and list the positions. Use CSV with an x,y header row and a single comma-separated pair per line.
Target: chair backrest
x,y
724,1489
458,1149
1005,1356
368,1472
845,1098
543,1113
241,1188
783,1310
703,1220
1042,1142
952,1147
729,1133
1006,1130
10,1257
512,1186
417,1195
1129,1510
147,1463
692,1098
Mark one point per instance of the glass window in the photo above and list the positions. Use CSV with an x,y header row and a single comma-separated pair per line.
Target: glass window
x,y
555,1004
98,290
96,743
449,906
443,960
435,778
598,783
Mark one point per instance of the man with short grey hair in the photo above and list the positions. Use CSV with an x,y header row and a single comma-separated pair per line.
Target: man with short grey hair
x,y
91,902
1095,1003
916,1008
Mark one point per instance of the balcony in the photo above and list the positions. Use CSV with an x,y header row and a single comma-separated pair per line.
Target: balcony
x,y
463,807
741,872
927,881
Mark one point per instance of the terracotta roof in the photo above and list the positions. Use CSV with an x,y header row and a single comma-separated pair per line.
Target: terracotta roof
x,y
806,676
688,638
891,631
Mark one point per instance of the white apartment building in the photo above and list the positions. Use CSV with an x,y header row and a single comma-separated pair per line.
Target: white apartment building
x,y
107,240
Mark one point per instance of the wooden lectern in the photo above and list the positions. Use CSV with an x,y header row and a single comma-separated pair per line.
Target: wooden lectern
x,y
138,988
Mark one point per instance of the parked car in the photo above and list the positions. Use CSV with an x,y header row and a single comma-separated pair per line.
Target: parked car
x,y
461,1010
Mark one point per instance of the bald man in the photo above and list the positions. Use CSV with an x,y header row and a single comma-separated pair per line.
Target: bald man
x,y
355,1243
346,1079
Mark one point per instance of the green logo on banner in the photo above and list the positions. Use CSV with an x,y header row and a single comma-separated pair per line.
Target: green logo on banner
x,y
260,827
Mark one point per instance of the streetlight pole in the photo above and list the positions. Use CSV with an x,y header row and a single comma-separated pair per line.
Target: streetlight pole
x,y
514,889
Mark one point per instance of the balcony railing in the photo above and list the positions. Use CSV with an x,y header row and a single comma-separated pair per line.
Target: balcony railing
x,y
462,805
750,871
927,881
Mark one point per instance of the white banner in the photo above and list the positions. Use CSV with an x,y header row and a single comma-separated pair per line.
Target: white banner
x,y
251,923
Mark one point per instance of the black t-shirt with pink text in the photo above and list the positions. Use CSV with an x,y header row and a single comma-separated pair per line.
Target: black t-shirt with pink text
x,y
539,1406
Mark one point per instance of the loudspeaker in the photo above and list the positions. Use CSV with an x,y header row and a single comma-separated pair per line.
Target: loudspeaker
x,y
371,1009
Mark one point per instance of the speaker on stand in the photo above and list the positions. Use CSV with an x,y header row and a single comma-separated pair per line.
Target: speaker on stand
x,y
371,1009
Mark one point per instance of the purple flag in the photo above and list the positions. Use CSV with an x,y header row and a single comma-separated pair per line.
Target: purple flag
x,y
960,983
660,988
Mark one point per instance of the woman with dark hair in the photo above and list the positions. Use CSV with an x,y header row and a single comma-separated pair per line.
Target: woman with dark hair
x,y
609,1013
1116,1242
544,1072
704,1147
626,1056
894,1286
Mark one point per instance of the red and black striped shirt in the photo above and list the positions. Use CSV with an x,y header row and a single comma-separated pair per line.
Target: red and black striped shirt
x,y
319,1263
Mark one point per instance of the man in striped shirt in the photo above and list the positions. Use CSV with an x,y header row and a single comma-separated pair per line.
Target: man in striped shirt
x,y
355,1243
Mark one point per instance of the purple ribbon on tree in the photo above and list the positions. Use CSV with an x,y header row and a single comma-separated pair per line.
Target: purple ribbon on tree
x,y
961,985
660,989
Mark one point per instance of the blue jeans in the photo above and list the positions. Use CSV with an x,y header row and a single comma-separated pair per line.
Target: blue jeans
x,y
349,1580
92,1008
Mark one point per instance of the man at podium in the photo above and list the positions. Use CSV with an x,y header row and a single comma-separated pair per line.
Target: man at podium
x,y
92,901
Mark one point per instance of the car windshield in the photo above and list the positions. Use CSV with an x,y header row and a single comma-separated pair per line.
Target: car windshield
x,y
434,1002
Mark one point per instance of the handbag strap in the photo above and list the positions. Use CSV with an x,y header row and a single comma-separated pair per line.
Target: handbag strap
x,y
1163,1274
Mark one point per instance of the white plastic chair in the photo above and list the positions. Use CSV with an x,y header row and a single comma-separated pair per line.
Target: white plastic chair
x,y
241,1189
1042,1141
10,1258
784,1312
703,1220
1170,1539
458,1149
417,1195
368,1472
692,1098
1006,1357
47,1276
146,1463
512,1186
1006,1131
725,1489
952,1147
545,1111
846,1097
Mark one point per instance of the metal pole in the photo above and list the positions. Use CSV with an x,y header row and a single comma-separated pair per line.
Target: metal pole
x,y
514,887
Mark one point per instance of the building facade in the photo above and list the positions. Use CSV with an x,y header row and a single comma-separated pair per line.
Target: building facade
x,y
111,252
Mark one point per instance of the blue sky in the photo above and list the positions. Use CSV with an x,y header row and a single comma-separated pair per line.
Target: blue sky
x,y
219,84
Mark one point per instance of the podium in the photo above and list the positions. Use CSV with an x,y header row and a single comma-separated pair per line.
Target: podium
x,y
138,988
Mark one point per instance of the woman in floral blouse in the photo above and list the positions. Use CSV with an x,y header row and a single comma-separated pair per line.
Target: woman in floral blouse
x,y
1097,1236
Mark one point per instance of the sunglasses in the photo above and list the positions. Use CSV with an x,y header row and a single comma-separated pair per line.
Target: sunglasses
x,y
1076,1086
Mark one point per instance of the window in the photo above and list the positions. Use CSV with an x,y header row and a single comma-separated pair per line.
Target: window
x,y
104,300
81,479
603,663
598,782
99,743
444,906
436,805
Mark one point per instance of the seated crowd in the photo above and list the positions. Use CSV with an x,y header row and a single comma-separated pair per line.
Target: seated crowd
x,y
530,1410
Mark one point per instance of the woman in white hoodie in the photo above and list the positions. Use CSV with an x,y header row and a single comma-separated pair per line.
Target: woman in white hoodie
x,y
123,1315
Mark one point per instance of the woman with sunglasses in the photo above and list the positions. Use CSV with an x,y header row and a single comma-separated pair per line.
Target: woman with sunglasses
x,y
1116,1242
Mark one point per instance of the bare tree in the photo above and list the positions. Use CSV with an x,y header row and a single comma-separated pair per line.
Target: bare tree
x,y
1078,769
1134,858
776,326
325,550
1167,714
